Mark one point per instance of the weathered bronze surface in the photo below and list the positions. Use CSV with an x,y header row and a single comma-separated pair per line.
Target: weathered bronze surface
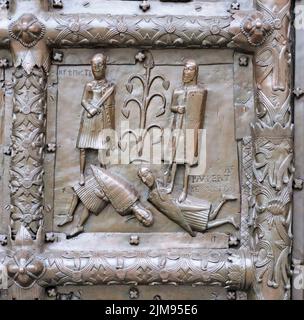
x,y
145,144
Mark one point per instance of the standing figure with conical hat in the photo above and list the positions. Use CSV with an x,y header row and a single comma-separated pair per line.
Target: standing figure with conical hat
x,y
188,108
98,114
101,188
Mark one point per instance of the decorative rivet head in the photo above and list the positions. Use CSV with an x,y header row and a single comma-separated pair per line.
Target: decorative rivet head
x,y
50,237
243,61
3,63
57,4
134,240
233,241
140,56
133,293
145,5
231,295
298,92
51,147
235,6
51,292
57,56
297,184
4,4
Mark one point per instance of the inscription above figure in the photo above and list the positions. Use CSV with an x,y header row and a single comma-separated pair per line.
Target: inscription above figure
x,y
98,114
188,107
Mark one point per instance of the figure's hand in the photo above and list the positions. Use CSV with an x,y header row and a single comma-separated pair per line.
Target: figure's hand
x,y
181,109
92,112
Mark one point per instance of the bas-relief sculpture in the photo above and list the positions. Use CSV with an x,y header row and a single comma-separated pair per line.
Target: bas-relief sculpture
x,y
188,104
262,266
98,104
100,189
191,214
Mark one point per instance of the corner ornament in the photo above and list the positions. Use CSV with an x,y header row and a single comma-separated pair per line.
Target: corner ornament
x,y
251,27
25,269
27,30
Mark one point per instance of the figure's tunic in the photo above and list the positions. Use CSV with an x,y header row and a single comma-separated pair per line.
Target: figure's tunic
x,y
196,212
168,206
91,129
191,214
193,98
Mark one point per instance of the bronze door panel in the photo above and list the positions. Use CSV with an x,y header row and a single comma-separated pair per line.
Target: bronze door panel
x,y
147,150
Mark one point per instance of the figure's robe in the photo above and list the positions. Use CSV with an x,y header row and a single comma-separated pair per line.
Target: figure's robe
x,y
191,214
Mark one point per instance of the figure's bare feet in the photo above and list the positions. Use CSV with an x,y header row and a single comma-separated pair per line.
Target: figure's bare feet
x,y
182,197
65,221
75,232
228,197
81,180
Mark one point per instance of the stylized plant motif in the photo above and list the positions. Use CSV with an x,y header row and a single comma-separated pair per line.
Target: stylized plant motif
x,y
214,32
274,157
272,211
73,29
139,139
144,102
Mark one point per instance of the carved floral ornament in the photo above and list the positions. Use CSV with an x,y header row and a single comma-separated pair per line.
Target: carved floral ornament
x,y
25,269
27,30
251,27
254,28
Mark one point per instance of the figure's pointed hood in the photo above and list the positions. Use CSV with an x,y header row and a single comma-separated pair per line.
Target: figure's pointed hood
x,y
119,192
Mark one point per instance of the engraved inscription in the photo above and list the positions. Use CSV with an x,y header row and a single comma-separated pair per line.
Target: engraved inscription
x,y
219,182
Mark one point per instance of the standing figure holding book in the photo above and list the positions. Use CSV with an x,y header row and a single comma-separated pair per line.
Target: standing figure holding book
x,y
98,114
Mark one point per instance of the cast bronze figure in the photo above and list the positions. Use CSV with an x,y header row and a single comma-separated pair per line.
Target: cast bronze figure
x,y
193,214
188,106
98,114
99,189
